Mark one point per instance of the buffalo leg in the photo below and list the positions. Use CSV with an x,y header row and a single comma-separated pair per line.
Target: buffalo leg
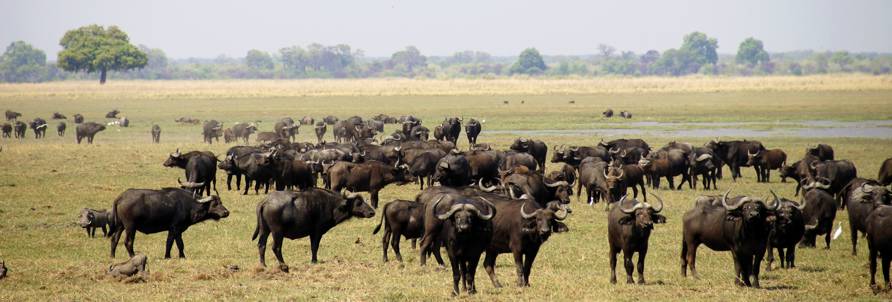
x,y
780,254
886,261
627,264
374,198
261,246
472,271
238,182
613,253
737,269
88,232
180,245
529,258
518,266
873,269
385,241
827,238
456,272
115,237
314,246
642,254
426,242
229,182
169,244
128,241
854,234
277,247
672,182
247,185
756,268
104,231
489,264
791,256
395,243
437,256
643,190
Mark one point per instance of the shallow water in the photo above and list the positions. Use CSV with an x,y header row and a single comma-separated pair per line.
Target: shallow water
x,y
814,128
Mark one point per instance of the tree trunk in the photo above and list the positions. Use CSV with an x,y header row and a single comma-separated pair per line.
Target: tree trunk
x,y
102,74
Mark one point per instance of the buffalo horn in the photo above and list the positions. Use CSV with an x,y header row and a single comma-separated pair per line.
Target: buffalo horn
x,y
656,210
725,202
486,189
556,184
524,214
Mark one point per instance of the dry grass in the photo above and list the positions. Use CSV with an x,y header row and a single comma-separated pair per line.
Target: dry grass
x,y
44,183
150,90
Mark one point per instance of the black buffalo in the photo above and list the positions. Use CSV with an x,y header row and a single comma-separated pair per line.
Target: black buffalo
x,y
7,130
60,129
39,125
293,215
592,177
821,151
401,218
243,131
879,241
538,149
766,160
320,130
369,177
453,170
286,128
629,225
860,197
88,130
705,164
211,130
152,211
741,228
200,169
20,128
734,153
78,118
12,115
836,174
819,213
885,174
472,130
787,231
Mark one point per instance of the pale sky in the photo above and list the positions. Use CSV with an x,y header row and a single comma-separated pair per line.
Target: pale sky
x,y
208,28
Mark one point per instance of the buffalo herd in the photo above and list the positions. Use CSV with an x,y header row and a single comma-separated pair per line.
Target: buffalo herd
x,y
482,202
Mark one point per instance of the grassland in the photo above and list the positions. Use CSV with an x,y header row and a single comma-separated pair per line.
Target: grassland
x,y
44,183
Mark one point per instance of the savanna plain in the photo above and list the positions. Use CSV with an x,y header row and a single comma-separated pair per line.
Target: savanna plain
x,y
44,184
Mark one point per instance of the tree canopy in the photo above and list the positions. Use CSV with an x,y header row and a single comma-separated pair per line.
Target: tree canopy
x,y
259,60
93,48
529,62
751,52
22,63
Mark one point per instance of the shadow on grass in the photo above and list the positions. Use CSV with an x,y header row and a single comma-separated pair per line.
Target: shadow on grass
x,y
780,287
812,269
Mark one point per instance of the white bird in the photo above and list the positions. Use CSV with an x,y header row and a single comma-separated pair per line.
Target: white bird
x,y
838,231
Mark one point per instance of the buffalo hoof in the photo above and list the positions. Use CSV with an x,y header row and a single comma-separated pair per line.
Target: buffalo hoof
x,y
281,267
875,289
630,281
641,281
612,280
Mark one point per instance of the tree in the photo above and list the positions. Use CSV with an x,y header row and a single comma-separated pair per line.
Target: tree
x,y
841,59
529,62
606,50
407,60
751,52
93,48
700,50
294,60
22,63
259,60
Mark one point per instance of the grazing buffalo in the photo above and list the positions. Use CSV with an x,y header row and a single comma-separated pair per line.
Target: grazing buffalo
x,y
39,126
538,149
401,218
523,181
628,230
734,154
623,144
200,168
267,137
766,160
472,130
258,168
860,197
12,115
369,177
451,128
741,228
60,129
243,131
838,172
20,128
787,231
59,116
78,118
320,129
483,164
286,128
91,219
819,213
885,175
460,223
607,113
512,159
667,164
879,242
520,227
799,170
211,130
152,211
566,173
156,133
7,130
625,114
88,130
184,120
293,215
592,177
230,164
704,163
424,166
821,151
112,114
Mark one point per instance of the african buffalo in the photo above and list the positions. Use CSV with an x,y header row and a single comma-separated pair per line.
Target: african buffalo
x,y
286,128
151,211
401,218
243,131
879,241
472,130
622,177
592,177
628,230
667,164
787,231
424,166
625,114
293,215
12,115
860,197
112,114
838,172
453,170
573,155
734,154
819,213
704,163
60,129
483,164
20,128
230,164
740,227
88,130
885,174
607,113
821,151
523,181
451,128
7,130
59,116
211,130
39,126
520,227
200,168
268,137
330,120
766,160
78,118
320,129
369,177
538,149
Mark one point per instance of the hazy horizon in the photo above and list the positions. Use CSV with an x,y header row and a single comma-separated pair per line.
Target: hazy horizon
x,y
207,29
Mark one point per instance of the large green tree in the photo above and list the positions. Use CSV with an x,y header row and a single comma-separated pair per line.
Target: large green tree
x,y
700,49
407,60
93,48
529,62
751,52
22,63
259,60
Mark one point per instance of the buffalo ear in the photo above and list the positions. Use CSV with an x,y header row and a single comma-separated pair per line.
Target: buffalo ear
x,y
559,227
657,218
628,219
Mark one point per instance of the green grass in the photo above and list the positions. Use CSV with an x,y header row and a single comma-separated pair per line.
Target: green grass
x,y
43,184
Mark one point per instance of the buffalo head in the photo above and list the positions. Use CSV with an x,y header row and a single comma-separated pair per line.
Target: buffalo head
x,y
354,204
641,214
462,213
543,221
750,209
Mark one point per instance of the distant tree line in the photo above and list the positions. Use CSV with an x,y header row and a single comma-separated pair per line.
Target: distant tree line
x,y
92,50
